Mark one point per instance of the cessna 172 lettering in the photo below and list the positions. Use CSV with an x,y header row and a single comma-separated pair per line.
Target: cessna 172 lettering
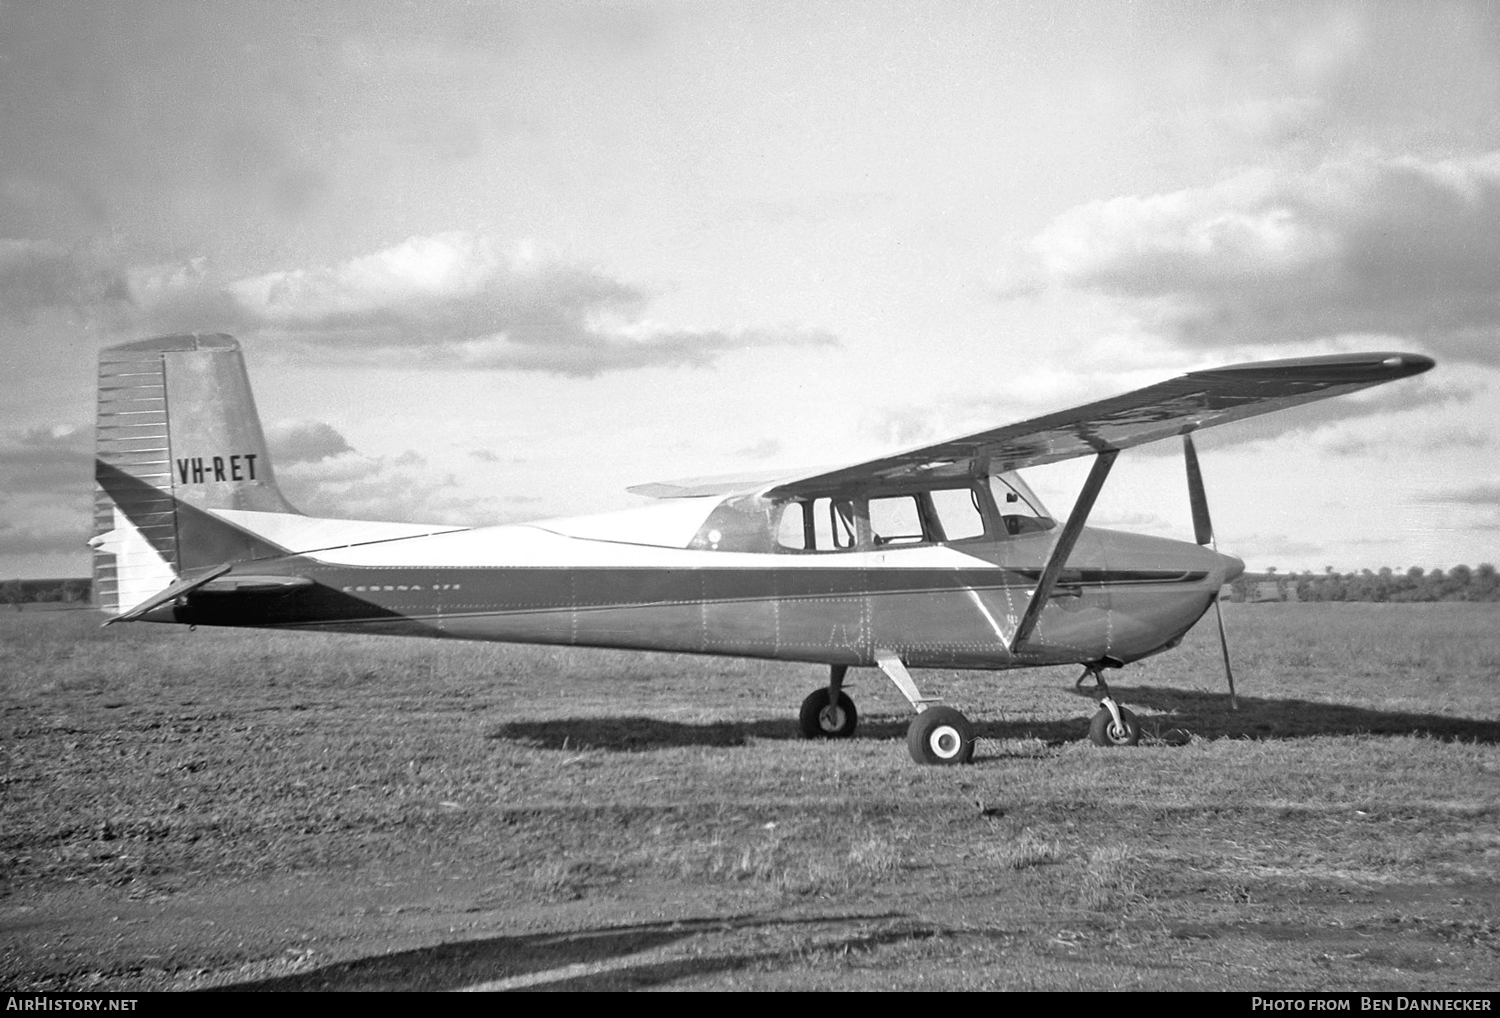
x,y
939,556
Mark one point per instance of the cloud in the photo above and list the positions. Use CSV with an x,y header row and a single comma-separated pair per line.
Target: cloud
x,y
1478,505
1483,494
1368,244
53,461
461,300
1264,547
45,482
1386,441
305,442
63,534
37,275
452,300
764,449
323,475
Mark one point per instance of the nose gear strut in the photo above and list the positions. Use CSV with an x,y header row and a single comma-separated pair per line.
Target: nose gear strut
x,y
1097,671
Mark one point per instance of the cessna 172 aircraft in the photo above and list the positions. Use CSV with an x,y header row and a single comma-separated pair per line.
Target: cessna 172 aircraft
x,y
938,556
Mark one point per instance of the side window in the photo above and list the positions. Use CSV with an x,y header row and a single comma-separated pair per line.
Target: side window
x,y
958,513
826,524
792,532
895,520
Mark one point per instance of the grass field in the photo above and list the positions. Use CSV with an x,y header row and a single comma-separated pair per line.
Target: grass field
x,y
223,808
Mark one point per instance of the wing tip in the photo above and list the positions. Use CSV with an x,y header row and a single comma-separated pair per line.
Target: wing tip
x,y
1372,367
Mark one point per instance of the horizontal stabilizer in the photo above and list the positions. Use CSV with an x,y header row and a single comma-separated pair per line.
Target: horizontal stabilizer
x,y
255,584
182,586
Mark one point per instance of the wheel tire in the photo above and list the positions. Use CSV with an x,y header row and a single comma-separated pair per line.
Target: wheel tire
x,y
1103,731
821,720
940,735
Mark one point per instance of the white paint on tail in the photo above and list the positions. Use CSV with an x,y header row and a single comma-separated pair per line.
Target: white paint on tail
x,y
140,572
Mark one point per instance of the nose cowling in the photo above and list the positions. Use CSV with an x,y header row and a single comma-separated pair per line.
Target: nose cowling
x,y
1233,566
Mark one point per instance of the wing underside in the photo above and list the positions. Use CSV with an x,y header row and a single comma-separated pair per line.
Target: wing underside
x,y
1200,399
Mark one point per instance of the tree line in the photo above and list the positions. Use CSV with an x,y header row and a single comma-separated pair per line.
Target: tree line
x,y
1415,584
74,590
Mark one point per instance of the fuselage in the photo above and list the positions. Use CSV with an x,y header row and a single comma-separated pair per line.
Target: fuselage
x,y
685,576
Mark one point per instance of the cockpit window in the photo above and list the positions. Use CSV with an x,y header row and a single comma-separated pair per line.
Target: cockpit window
x,y
957,511
1020,510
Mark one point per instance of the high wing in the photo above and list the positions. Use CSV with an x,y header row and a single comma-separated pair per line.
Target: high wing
x,y
1199,399
719,484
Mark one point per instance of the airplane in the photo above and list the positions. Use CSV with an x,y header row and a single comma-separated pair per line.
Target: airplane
x,y
938,556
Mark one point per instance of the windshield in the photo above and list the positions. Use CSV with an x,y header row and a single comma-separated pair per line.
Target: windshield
x,y
1020,510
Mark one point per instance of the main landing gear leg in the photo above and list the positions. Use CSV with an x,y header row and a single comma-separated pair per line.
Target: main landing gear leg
x,y
828,713
937,735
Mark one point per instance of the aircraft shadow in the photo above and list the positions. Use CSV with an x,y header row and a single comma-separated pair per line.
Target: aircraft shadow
x,y
1208,715
541,960
637,733
1169,715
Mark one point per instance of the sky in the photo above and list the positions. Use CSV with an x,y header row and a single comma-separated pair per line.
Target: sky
x,y
492,262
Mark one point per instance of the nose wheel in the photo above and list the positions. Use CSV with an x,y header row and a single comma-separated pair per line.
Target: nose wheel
x,y
1114,725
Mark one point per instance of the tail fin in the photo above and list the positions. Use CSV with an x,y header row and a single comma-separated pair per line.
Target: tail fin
x,y
177,434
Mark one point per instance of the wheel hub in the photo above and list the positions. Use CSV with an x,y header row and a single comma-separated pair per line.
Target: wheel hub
x,y
945,742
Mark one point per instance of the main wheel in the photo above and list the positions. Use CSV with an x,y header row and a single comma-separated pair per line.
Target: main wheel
x,y
820,719
1104,732
940,735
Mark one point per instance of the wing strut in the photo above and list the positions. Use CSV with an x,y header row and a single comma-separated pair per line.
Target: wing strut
x,y
1064,546
1203,531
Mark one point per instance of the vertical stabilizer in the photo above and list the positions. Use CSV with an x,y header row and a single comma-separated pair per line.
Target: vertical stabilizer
x,y
176,432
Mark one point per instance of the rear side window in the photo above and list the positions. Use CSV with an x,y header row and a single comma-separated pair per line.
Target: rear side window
x,y
793,531
896,520
825,524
